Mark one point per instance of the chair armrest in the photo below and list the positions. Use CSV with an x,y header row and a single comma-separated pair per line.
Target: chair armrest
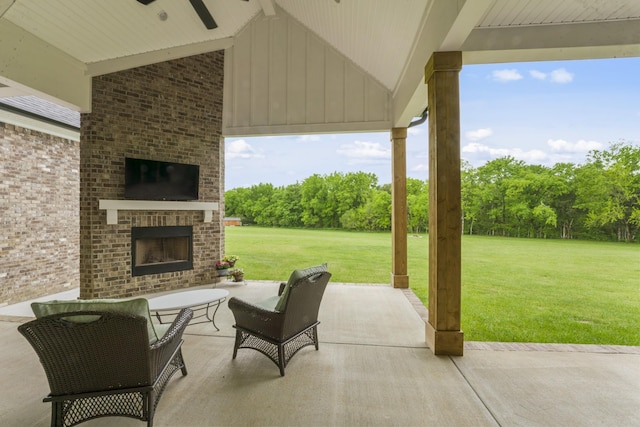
x,y
162,349
255,318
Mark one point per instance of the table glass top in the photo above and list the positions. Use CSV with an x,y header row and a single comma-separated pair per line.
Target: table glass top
x,y
184,299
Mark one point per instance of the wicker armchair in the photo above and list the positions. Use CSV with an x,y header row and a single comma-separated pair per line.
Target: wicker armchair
x,y
100,363
280,326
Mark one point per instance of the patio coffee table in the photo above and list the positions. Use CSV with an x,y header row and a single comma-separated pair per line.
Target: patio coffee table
x,y
197,300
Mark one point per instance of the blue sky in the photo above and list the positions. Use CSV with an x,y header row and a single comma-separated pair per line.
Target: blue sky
x,y
538,112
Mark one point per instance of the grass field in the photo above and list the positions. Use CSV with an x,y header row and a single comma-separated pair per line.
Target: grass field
x,y
513,290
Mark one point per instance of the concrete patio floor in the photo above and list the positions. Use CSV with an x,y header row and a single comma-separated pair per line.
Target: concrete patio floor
x,y
373,369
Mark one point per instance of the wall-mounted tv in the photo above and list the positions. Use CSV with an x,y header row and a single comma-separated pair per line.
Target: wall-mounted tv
x,y
154,180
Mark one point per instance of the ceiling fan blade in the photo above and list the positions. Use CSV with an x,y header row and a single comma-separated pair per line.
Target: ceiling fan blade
x,y
203,13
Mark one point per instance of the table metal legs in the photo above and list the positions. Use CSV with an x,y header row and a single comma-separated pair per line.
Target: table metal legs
x,y
206,308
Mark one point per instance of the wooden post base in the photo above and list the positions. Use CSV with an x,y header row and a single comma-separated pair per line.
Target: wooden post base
x,y
400,281
450,343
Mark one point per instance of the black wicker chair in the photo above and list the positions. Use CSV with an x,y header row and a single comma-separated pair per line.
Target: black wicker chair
x,y
280,326
103,365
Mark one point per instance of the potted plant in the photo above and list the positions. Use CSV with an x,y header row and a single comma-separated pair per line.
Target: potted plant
x,y
238,274
231,259
223,268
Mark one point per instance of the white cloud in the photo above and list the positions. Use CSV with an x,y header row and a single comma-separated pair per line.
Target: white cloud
x,y
561,76
506,75
559,151
360,152
240,149
308,138
538,75
414,130
581,146
478,134
530,156
475,147
420,167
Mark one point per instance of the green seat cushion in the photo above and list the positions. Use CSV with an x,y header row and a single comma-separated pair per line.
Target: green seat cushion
x,y
269,303
295,276
137,306
161,329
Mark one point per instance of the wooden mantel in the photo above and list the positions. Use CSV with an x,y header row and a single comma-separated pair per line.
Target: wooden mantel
x,y
113,206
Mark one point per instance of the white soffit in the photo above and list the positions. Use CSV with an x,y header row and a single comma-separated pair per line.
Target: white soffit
x,y
507,13
98,30
547,30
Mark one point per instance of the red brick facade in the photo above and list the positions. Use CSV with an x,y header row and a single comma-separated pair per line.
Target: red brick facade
x,y
170,111
53,237
39,211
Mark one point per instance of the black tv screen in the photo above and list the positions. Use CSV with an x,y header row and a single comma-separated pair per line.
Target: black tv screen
x,y
154,180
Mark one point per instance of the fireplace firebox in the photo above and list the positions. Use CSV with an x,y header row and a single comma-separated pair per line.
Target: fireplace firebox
x,y
161,249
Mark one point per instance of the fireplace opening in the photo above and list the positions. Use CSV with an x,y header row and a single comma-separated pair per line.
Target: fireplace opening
x,y
161,249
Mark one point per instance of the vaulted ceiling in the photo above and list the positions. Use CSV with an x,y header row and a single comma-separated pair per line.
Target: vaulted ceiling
x,y
52,48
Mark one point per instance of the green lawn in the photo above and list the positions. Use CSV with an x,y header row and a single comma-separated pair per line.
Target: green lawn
x,y
513,290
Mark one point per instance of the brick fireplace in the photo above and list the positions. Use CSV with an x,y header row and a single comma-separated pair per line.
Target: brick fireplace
x,y
157,250
171,111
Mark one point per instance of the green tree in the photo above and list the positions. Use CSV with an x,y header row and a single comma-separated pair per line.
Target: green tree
x,y
347,192
325,199
564,202
288,206
261,207
600,199
472,201
609,190
376,213
236,203
490,210
417,205
545,219
530,195
314,200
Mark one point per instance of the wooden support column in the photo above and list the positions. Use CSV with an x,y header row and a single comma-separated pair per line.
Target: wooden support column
x,y
443,334
399,277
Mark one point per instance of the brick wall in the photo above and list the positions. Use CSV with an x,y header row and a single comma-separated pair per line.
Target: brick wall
x,y
39,214
170,111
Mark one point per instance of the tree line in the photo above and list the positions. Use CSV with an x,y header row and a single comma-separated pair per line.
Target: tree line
x,y
598,200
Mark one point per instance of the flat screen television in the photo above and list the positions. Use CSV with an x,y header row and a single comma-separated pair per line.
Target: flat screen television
x,y
155,180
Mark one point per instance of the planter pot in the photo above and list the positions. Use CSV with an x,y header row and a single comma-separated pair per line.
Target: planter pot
x,y
224,272
238,278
